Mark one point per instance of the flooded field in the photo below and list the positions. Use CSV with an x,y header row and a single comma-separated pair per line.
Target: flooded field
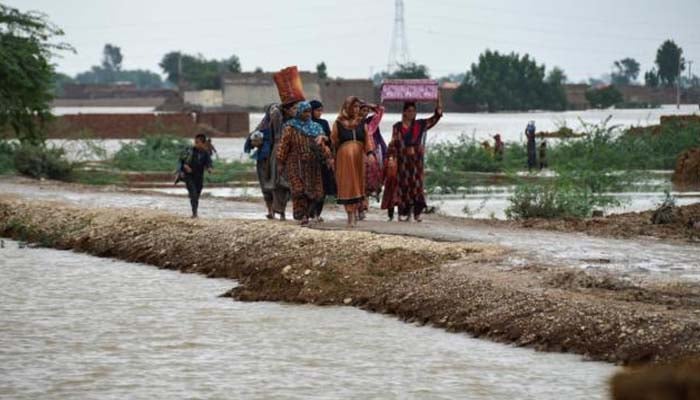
x,y
480,126
76,326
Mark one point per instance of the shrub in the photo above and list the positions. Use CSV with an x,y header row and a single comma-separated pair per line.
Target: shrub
x,y
555,201
152,153
7,157
42,162
228,171
604,97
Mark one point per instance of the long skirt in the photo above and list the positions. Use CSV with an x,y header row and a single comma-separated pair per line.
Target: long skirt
x,y
531,155
274,188
375,177
410,192
306,182
350,173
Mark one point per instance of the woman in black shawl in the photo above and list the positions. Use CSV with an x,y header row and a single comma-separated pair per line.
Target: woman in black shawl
x,y
329,186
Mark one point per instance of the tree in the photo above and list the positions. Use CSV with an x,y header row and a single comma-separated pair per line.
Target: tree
x,y
410,71
627,71
458,78
511,82
651,78
669,62
111,71
404,71
555,96
58,81
112,58
197,71
604,97
231,64
26,73
322,70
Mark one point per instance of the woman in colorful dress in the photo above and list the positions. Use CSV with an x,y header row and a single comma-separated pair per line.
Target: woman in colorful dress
x,y
407,151
352,143
300,153
374,175
329,187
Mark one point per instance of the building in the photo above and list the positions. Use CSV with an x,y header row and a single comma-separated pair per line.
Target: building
x,y
255,90
115,95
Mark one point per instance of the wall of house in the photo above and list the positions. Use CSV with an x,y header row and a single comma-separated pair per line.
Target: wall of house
x,y
134,126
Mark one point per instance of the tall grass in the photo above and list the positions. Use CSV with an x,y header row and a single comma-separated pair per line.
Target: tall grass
x,y
601,146
152,153
7,156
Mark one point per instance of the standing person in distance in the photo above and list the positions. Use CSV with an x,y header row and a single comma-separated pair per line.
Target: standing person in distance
x,y
530,133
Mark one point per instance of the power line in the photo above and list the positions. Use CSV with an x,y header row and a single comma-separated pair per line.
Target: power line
x,y
398,55
443,18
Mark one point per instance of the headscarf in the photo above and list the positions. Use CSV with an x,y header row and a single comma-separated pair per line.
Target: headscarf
x,y
315,105
308,127
345,116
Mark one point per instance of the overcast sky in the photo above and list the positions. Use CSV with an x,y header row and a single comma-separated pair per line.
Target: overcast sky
x,y
354,37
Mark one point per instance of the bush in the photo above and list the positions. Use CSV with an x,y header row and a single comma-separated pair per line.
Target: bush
x,y
587,171
42,162
224,172
604,97
7,157
555,201
153,153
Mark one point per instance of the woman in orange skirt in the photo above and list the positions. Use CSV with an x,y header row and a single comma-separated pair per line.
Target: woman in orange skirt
x,y
351,143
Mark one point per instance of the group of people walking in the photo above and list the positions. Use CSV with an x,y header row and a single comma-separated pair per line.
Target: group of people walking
x,y
301,156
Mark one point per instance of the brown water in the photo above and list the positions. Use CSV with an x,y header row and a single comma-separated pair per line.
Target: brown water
x,y
74,326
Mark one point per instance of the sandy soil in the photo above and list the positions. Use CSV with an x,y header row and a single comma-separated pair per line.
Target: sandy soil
x,y
461,287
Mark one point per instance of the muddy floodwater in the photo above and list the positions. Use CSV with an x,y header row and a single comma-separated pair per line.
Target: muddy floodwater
x,y
75,326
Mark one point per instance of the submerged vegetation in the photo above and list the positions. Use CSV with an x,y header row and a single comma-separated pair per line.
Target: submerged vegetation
x,y
604,160
153,154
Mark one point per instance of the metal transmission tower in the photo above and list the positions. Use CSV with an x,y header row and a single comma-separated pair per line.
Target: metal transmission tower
x,y
398,55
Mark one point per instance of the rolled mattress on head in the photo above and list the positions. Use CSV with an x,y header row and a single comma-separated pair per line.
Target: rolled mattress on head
x,y
409,90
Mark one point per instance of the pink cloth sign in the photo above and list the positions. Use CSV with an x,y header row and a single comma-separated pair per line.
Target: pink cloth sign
x,y
410,90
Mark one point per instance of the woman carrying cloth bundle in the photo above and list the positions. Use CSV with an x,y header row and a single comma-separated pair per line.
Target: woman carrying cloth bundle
x,y
352,143
404,185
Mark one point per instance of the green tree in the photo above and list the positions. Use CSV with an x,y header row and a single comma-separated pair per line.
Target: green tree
x,y
410,71
555,96
511,82
651,78
59,80
112,58
197,71
669,62
322,70
26,73
626,71
604,97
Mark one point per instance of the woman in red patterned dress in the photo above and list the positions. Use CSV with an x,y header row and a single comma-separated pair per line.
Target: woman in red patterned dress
x,y
406,152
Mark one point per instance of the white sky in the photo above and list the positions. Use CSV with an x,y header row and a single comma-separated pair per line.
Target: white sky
x,y
583,37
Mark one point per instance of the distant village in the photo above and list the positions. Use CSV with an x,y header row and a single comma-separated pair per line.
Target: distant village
x,y
252,91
